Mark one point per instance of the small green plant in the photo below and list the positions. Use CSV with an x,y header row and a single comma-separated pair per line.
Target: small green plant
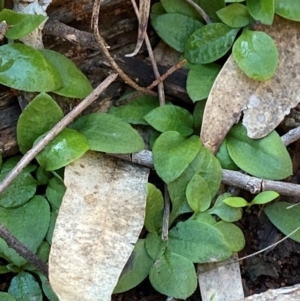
x,y
229,25
260,199
193,176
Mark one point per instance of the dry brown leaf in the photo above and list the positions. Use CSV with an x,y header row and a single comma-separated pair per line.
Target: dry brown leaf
x,y
99,221
264,104
144,11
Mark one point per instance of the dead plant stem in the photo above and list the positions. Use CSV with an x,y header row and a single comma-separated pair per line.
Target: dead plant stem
x,y
202,13
103,48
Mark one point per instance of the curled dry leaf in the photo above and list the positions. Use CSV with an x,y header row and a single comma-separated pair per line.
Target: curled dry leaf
x,y
144,11
99,222
264,104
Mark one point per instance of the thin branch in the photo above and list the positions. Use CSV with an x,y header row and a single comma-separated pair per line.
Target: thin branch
x,y
160,87
31,154
201,12
103,48
291,136
22,250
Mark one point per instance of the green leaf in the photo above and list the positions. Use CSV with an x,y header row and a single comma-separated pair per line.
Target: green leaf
x,y
198,194
172,154
65,148
198,241
155,246
10,163
211,7
209,43
180,7
107,133
53,217
261,10
224,158
28,223
47,288
157,9
154,209
55,192
256,54
174,29
74,83
136,269
24,68
6,297
200,80
19,192
43,176
174,275
198,114
236,202
234,15
39,116
250,155
225,212
288,9
21,24
25,288
204,217
134,111
233,235
206,165
171,118
264,197
284,218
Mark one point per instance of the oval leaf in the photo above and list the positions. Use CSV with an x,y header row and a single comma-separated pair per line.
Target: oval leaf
x,y
200,81
107,133
66,147
136,269
24,287
174,275
74,83
209,43
6,297
233,235
256,54
198,194
265,197
171,118
172,154
21,24
225,212
175,29
39,116
24,68
262,10
235,15
289,9
236,202
155,246
19,192
154,209
199,242
34,218
250,155
134,111
224,158
284,218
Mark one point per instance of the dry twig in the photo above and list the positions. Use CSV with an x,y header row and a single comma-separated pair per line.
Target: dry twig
x,y
31,154
102,46
202,13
